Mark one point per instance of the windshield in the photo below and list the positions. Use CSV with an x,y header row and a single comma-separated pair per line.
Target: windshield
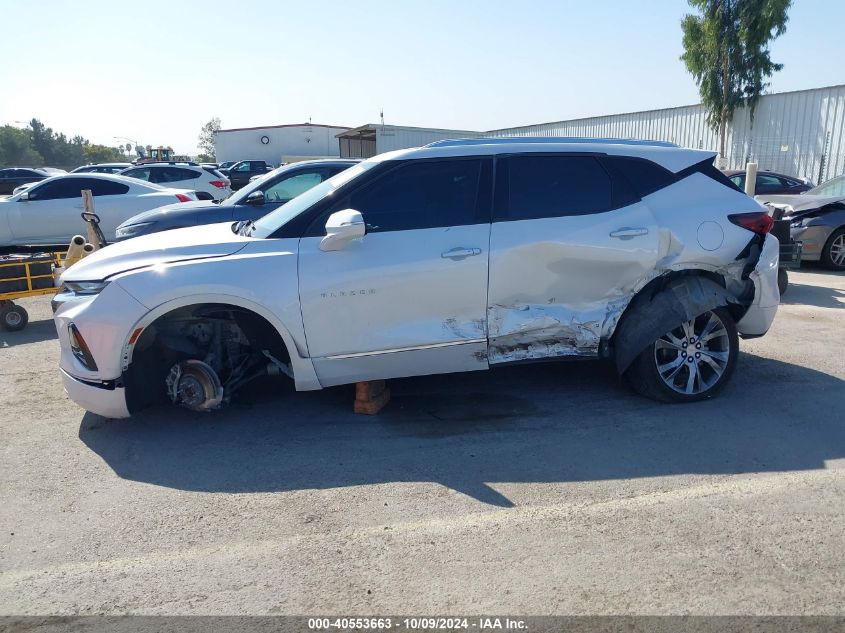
x,y
268,224
833,187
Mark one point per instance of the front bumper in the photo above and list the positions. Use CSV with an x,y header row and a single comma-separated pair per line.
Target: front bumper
x,y
812,240
106,398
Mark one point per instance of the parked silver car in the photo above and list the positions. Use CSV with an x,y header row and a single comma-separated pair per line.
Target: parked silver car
x,y
817,218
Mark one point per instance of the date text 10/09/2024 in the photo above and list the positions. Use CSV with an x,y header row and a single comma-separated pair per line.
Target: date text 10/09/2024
x,y
417,624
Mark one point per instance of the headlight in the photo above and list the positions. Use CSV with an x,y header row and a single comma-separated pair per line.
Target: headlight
x,y
79,348
85,287
131,230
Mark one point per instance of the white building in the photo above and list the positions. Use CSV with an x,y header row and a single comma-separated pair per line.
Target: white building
x,y
276,144
375,138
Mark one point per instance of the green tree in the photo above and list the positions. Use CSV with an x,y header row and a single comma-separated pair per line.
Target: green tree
x,y
94,153
206,137
16,148
726,48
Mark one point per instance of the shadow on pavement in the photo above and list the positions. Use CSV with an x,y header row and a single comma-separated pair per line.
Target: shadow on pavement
x,y
559,422
34,332
821,296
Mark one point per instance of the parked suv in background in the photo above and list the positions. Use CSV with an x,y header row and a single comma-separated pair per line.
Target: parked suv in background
x,y
458,256
250,203
183,175
102,168
241,172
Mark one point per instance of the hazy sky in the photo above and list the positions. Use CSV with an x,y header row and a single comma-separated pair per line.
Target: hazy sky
x,y
156,71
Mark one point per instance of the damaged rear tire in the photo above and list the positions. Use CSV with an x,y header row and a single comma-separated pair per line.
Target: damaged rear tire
x,y
689,363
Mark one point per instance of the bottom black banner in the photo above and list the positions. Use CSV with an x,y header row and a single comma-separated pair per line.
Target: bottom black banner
x,y
406,624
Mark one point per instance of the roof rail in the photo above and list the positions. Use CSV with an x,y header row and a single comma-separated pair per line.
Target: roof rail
x,y
506,140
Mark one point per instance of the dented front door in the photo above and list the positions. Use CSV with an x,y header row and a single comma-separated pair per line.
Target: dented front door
x,y
563,261
410,297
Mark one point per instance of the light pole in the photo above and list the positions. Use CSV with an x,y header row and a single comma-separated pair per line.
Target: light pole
x,y
123,138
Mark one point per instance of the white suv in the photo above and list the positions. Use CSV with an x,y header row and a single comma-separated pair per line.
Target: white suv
x,y
185,176
453,257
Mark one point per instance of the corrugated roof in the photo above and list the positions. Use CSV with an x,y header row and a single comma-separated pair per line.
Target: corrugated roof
x,y
273,127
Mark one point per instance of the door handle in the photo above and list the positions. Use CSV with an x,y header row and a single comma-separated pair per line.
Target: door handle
x,y
460,253
627,233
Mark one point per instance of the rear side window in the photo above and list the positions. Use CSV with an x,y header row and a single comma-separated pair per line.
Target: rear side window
x,y
105,187
173,174
213,172
537,186
738,180
421,195
635,178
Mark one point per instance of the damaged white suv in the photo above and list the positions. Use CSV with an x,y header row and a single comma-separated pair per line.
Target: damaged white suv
x,y
453,257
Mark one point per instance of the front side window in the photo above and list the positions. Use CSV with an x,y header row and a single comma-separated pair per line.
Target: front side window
x,y
536,186
59,189
243,167
420,195
289,188
767,182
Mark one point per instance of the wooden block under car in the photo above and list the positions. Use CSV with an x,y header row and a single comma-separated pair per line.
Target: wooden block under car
x,y
371,396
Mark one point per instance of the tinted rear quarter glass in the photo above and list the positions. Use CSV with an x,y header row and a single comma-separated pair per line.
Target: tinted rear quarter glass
x,y
213,172
105,187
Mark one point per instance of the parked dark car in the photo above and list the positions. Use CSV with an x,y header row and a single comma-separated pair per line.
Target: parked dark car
x,y
102,168
250,203
13,177
817,220
240,173
768,182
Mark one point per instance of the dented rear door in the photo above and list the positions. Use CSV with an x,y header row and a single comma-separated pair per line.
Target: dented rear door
x,y
564,262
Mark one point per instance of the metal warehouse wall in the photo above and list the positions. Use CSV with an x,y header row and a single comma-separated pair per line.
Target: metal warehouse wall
x,y
290,140
800,133
389,138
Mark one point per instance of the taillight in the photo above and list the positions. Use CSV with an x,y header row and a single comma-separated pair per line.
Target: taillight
x,y
758,222
181,197
220,184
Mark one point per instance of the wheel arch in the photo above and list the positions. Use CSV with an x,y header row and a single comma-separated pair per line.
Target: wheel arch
x,y
302,368
666,301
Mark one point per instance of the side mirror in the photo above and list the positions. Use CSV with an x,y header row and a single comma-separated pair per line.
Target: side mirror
x,y
24,196
341,228
256,198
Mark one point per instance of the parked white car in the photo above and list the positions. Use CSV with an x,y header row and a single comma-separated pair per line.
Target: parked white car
x,y
48,212
185,176
454,257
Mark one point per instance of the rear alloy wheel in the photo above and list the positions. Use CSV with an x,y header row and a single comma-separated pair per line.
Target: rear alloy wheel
x,y
691,362
833,253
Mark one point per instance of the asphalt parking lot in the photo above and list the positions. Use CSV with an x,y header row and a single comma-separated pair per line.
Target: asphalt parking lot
x,y
533,489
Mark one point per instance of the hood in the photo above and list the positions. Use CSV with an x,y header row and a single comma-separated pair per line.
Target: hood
x,y
196,242
792,204
168,210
